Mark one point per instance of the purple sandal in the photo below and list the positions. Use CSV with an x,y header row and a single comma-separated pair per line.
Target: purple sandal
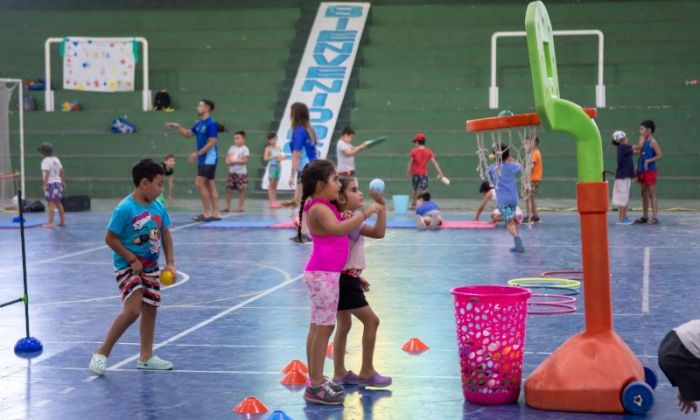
x,y
350,378
375,381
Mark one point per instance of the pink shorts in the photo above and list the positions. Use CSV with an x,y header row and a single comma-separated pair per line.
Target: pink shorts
x,y
324,290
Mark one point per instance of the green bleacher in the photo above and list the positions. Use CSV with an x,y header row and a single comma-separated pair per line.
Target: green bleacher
x,y
423,67
427,68
236,57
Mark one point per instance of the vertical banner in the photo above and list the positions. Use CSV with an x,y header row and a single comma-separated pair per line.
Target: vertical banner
x,y
98,64
323,76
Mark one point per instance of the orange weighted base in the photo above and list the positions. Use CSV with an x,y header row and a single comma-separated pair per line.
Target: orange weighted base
x,y
590,370
587,373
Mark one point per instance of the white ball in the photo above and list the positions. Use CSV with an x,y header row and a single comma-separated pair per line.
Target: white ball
x,y
377,185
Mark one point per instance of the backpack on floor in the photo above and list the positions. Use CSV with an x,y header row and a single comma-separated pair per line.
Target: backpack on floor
x,y
122,126
162,100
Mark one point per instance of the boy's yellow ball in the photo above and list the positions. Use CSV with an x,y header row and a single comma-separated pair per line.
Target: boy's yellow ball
x,y
167,277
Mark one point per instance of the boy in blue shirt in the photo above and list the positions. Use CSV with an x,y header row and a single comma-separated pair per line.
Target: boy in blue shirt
x,y
138,227
428,215
206,131
505,177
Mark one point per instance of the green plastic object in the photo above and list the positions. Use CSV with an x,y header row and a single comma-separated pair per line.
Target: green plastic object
x,y
558,114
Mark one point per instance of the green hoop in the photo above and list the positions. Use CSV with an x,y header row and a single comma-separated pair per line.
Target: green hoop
x,y
553,282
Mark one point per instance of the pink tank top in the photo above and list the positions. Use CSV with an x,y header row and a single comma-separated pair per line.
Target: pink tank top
x,y
330,253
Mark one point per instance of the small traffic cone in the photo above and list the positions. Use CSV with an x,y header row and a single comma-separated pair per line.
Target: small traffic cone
x,y
278,415
329,351
250,405
294,377
414,345
297,365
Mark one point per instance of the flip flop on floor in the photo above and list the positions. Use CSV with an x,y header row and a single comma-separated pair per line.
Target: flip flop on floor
x,y
199,218
212,219
641,220
653,221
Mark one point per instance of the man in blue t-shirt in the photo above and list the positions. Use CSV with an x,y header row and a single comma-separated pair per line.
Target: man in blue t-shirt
x,y
504,177
206,131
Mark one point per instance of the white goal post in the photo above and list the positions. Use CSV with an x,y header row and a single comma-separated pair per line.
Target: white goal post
x,y
21,129
599,88
48,94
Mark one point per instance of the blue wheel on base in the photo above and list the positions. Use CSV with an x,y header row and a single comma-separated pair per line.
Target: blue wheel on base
x,y
650,377
638,398
28,347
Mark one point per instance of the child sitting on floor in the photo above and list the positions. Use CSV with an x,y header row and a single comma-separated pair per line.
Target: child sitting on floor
x,y
428,215
489,194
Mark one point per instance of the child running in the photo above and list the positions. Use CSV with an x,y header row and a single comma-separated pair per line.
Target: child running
x,y
273,156
331,247
352,287
54,184
507,192
139,223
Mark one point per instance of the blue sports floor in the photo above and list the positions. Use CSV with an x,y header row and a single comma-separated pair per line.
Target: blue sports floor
x,y
240,312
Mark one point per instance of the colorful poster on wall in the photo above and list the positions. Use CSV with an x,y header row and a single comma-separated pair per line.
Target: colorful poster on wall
x,y
98,64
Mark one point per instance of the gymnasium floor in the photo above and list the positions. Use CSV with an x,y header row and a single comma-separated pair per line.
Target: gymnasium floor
x,y
239,314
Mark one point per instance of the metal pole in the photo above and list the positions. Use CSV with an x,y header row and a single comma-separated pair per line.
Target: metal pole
x,y
24,261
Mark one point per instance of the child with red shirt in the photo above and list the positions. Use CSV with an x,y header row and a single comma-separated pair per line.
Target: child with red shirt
x,y
418,167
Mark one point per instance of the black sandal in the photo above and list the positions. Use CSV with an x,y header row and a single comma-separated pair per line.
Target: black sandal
x,y
199,218
641,220
653,221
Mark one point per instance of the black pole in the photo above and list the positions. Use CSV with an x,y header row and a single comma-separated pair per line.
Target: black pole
x,y
24,258
12,302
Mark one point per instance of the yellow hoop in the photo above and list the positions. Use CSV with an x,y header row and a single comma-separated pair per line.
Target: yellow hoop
x,y
554,282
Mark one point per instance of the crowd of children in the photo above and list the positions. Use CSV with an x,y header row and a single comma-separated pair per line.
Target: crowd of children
x,y
333,211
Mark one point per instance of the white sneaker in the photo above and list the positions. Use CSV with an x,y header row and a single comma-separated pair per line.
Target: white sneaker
x,y
98,364
154,363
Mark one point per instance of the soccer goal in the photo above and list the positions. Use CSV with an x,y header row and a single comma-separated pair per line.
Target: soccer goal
x,y
10,176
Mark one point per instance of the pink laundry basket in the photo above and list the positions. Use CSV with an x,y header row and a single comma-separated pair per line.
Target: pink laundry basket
x,y
491,338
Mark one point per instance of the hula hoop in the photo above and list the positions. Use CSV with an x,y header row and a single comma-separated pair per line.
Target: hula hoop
x,y
551,282
562,299
565,309
557,273
564,291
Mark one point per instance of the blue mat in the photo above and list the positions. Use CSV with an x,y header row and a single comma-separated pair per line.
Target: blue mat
x,y
237,224
7,224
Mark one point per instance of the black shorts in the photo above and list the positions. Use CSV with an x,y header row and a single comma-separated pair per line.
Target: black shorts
x,y
206,171
680,366
351,294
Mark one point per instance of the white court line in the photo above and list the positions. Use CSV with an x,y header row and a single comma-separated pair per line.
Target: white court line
x,y
185,279
97,248
202,324
645,281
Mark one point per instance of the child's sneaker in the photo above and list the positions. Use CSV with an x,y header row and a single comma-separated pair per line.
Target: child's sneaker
x,y
154,363
335,386
625,221
98,364
323,394
519,248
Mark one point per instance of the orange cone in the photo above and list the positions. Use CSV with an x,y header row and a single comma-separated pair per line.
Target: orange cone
x,y
297,365
329,351
250,405
294,378
414,345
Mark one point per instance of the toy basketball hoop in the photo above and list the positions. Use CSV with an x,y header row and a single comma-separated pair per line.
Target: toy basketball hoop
x,y
515,133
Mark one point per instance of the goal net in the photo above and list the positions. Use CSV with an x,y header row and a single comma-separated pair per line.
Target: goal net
x,y
9,176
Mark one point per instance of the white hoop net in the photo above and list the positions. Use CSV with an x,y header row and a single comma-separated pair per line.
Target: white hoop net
x,y
518,141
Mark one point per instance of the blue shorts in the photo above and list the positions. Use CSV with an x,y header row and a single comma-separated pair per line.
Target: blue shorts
x,y
419,182
207,171
507,212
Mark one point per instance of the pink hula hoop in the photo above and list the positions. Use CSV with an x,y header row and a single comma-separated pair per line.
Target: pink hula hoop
x,y
560,299
564,309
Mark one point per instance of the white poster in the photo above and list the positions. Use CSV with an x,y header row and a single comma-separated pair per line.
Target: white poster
x,y
98,64
323,76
